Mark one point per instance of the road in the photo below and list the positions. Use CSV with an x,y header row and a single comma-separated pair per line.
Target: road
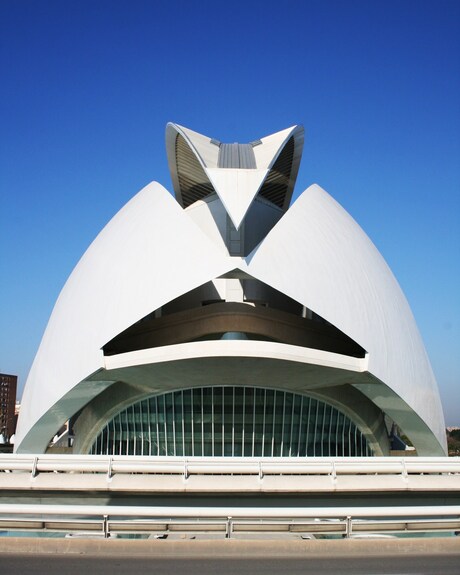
x,y
15,564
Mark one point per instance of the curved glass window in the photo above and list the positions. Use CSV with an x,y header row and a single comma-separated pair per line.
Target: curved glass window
x,y
231,422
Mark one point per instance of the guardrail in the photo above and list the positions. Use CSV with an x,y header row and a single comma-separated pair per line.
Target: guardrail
x,y
111,465
106,521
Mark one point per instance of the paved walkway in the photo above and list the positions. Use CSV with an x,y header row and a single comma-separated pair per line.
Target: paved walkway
x,y
232,548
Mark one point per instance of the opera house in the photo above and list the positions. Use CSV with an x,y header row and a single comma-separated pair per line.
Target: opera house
x,y
227,322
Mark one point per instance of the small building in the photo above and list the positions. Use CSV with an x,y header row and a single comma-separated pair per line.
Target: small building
x,y
8,386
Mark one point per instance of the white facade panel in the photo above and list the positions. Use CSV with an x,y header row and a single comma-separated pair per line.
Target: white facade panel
x,y
148,254
318,255
237,189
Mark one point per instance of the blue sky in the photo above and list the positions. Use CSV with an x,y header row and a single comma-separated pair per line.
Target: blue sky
x,y
88,86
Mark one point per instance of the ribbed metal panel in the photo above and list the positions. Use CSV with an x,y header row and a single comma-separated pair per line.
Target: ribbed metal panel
x,y
236,156
193,182
276,183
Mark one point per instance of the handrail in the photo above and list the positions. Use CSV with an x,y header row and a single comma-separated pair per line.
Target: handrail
x,y
168,512
186,466
225,465
107,520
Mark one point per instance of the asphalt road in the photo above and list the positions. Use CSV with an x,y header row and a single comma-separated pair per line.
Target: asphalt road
x,y
15,564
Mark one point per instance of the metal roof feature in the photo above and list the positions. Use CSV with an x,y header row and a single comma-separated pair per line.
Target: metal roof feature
x,y
237,173
193,181
276,184
237,156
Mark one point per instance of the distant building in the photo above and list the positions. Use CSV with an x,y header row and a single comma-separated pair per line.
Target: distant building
x,y
8,385
227,322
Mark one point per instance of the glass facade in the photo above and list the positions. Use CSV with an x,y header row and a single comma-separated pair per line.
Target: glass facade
x,y
231,422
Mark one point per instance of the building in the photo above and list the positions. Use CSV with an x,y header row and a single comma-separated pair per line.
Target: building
x,y
8,385
226,323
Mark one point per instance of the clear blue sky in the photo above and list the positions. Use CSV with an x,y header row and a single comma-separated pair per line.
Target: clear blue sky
x,y
87,88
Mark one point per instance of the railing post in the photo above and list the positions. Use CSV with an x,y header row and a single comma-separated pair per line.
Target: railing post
x,y
228,533
34,467
334,473
109,470
404,471
105,527
348,527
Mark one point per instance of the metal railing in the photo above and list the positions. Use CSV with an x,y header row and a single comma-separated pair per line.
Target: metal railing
x,y
153,465
229,521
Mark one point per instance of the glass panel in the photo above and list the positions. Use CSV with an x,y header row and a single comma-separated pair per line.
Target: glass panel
x,y
231,421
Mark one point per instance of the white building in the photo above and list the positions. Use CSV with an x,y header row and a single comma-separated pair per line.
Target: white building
x,y
225,322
